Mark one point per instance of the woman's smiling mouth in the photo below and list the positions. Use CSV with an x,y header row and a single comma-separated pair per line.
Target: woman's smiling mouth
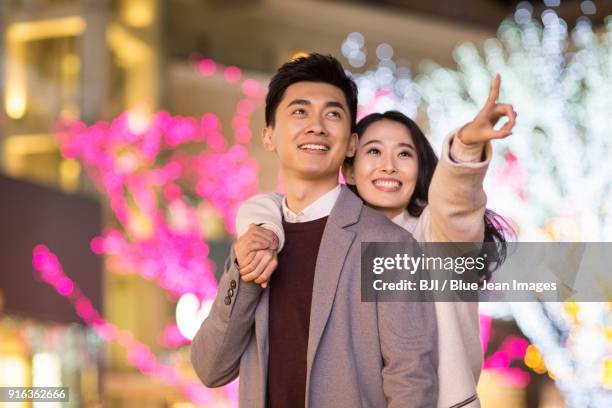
x,y
387,184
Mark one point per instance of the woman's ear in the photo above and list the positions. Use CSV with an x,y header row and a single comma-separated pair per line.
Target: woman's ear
x,y
348,172
268,141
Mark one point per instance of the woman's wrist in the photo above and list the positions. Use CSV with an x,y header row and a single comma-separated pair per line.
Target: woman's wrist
x,y
461,152
465,135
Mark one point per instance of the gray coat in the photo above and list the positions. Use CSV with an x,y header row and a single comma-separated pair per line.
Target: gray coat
x,y
359,354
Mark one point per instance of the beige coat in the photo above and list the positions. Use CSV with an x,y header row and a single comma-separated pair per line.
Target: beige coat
x,y
360,354
455,214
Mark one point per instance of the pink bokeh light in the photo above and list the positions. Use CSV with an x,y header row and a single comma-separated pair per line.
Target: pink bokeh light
x,y
232,74
207,67
512,349
138,354
146,193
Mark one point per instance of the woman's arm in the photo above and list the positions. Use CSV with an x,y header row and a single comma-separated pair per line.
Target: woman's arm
x,y
457,201
263,210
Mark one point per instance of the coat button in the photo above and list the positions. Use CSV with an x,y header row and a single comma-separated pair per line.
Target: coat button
x,y
230,292
228,300
233,284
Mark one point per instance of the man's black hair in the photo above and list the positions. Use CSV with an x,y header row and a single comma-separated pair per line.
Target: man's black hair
x,y
313,68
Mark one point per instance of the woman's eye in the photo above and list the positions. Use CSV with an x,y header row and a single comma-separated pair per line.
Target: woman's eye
x,y
335,114
405,154
373,151
299,112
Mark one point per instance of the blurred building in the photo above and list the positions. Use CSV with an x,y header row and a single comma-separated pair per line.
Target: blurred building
x,y
93,59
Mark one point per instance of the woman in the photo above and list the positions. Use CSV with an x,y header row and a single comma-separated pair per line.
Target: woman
x,y
396,171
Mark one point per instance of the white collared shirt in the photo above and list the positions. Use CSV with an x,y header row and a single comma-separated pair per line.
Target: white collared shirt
x,y
320,208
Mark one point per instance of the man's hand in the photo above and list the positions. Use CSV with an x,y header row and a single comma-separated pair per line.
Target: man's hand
x,y
482,128
256,254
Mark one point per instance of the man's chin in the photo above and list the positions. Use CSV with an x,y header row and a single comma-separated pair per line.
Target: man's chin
x,y
312,173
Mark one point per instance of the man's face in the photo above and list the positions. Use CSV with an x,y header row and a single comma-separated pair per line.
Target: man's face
x,y
312,131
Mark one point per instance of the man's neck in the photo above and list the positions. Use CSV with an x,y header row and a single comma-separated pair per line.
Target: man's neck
x,y
301,193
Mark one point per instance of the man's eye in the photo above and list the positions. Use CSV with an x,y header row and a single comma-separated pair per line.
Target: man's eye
x,y
335,114
299,112
373,151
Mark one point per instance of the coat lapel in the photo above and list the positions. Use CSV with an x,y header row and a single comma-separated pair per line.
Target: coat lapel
x,y
335,244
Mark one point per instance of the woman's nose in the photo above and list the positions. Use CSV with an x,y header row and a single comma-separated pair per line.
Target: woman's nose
x,y
388,165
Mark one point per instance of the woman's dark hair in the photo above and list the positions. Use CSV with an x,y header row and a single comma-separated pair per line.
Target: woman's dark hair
x,y
496,227
313,68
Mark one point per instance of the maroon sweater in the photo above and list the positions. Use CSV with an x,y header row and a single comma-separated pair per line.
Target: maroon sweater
x,y
289,313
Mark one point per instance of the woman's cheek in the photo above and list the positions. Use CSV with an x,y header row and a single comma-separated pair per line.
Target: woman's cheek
x,y
410,171
364,165
366,189
410,191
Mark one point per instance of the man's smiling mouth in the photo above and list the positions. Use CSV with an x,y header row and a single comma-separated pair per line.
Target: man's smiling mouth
x,y
314,147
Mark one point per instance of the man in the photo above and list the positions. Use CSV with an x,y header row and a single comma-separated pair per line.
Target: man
x,y
307,340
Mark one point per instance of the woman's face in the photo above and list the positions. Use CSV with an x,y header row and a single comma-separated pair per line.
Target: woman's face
x,y
385,167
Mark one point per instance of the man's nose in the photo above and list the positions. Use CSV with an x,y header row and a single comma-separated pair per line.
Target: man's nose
x,y
317,126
